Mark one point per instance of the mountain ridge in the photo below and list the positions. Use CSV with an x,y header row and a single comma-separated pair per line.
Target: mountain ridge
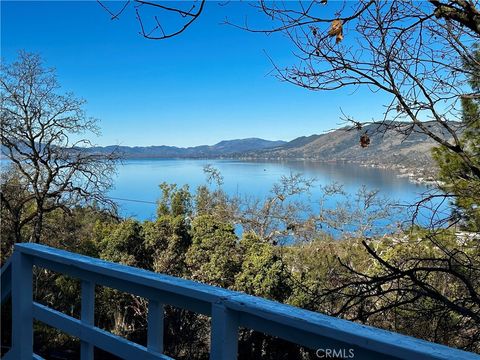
x,y
409,154
222,148
387,148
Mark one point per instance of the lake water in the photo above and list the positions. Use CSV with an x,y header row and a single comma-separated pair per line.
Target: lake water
x,y
139,179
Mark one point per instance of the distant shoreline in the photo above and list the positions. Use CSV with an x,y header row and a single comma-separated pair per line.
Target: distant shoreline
x,y
414,175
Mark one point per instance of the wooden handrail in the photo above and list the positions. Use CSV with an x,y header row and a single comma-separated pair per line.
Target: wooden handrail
x,y
228,309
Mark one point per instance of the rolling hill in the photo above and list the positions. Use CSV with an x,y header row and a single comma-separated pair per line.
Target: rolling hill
x,y
388,148
221,149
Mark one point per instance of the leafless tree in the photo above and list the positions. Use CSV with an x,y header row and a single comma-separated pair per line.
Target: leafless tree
x,y
414,52
285,216
159,20
282,215
42,138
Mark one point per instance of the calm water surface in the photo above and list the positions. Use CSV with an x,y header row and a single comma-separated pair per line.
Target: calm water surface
x,y
139,180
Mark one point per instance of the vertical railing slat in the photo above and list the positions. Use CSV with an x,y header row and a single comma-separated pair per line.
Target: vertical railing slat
x,y
155,326
224,333
22,307
87,316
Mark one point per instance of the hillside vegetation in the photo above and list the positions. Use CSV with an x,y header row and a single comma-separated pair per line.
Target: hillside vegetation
x,y
387,148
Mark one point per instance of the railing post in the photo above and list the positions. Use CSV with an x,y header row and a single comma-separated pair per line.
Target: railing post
x,y
22,306
87,316
224,333
155,326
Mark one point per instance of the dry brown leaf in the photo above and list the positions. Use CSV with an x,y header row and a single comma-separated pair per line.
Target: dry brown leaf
x,y
339,37
364,141
336,27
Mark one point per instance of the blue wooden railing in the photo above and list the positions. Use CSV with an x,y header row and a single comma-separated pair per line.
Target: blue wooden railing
x,y
228,310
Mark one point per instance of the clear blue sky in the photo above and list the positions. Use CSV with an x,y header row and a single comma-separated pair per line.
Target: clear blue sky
x,y
211,83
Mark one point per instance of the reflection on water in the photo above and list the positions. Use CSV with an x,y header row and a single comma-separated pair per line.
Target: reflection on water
x,y
139,180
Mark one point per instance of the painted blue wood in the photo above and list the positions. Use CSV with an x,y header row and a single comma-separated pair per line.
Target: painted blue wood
x,y
96,336
229,310
6,290
6,280
11,356
371,343
87,316
224,333
143,278
22,295
8,356
155,319
180,292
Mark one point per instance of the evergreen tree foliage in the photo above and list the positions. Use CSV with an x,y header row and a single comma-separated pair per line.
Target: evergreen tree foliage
x,y
457,176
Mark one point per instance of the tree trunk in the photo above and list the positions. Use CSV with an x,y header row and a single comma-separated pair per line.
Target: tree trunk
x,y
16,227
37,230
